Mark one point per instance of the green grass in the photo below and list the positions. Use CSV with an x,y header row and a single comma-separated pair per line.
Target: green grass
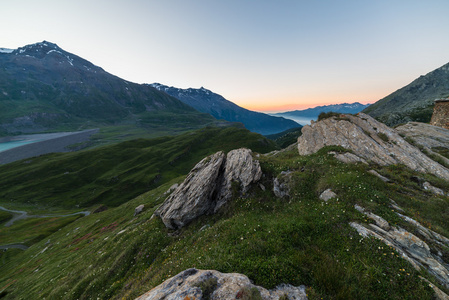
x,y
286,138
300,240
30,231
114,174
4,217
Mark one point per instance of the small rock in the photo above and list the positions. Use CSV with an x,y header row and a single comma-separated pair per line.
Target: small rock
x,y
138,209
383,178
327,195
171,189
348,158
281,184
427,186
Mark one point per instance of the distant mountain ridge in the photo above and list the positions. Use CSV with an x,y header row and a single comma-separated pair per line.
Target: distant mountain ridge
x,y
43,87
312,113
413,102
209,102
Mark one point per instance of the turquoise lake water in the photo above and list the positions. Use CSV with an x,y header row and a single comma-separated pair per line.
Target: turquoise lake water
x,y
9,145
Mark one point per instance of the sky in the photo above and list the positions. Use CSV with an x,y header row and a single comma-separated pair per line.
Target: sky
x,y
262,55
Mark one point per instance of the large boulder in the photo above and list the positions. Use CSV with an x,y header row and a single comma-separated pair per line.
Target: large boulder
x,y
240,168
368,139
211,284
208,186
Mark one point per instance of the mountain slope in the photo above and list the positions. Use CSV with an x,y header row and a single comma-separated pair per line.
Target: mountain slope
x,y
413,102
43,87
112,175
312,113
300,240
208,102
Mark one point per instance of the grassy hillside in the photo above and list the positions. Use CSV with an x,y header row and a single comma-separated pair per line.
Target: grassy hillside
x,y
286,138
413,102
297,240
114,174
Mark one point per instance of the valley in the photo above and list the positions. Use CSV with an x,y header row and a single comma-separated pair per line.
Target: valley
x,y
118,190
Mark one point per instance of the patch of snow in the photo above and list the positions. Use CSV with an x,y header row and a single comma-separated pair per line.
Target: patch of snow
x,y
6,50
54,51
70,60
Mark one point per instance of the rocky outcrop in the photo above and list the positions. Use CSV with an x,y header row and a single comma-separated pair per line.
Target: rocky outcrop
x,y
411,247
211,284
368,139
208,186
427,137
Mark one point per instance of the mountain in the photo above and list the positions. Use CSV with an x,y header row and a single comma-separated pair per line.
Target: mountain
x,y
44,88
413,102
312,113
208,102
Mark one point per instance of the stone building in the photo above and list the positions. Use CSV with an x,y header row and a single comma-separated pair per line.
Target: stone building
x,y
440,116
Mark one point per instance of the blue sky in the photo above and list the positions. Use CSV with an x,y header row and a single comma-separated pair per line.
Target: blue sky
x,y
263,55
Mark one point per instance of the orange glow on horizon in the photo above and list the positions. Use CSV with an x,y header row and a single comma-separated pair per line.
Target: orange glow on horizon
x,y
269,107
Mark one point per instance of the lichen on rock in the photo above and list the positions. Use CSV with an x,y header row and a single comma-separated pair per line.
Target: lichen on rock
x,y
367,139
209,186
214,285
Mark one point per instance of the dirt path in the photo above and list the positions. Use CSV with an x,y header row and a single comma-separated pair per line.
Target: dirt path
x,y
10,246
20,215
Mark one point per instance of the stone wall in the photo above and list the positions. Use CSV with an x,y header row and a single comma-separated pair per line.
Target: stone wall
x,y
440,115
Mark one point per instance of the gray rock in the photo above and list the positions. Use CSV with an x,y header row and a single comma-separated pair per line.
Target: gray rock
x,y
439,294
171,189
241,169
411,247
368,139
224,286
348,158
327,195
383,178
426,135
193,197
281,184
138,209
427,186
208,186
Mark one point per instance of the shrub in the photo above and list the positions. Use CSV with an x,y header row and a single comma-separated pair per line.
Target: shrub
x,y
207,286
249,294
383,137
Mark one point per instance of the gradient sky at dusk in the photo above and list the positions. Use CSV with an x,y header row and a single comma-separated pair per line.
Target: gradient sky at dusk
x,y
262,55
